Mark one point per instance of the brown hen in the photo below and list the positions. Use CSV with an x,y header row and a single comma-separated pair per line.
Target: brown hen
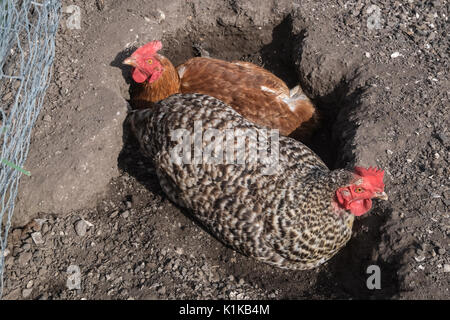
x,y
254,92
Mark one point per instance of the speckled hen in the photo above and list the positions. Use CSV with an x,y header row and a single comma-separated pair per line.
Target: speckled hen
x,y
296,217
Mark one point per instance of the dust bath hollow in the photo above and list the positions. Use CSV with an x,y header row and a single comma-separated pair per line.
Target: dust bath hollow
x,y
271,47
276,49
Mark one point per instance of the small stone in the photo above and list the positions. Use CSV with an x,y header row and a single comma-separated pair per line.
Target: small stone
x,y
446,267
6,253
7,96
159,15
89,224
30,284
396,54
114,214
81,228
37,238
24,258
419,258
26,293
442,137
441,251
100,4
126,214
161,290
129,204
17,234
45,228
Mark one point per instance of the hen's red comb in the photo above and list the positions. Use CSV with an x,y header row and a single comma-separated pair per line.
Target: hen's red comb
x,y
149,48
372,174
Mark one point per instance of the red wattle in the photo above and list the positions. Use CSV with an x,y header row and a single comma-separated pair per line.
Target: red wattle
x,y
138,76
359,207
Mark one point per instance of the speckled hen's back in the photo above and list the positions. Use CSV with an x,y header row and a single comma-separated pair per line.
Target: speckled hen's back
x,y
286,218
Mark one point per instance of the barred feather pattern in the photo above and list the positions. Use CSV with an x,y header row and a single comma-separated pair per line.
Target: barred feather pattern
x,y
286,219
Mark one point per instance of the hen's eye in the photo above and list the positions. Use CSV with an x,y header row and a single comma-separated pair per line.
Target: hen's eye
x,y
359,190
149,61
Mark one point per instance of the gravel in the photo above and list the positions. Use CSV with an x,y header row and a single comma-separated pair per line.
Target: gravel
x,y
390,85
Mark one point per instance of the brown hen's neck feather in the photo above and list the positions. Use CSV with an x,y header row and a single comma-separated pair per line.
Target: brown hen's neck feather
x,y
166,85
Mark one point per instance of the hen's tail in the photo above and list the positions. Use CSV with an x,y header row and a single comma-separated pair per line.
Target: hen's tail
x,y
307,111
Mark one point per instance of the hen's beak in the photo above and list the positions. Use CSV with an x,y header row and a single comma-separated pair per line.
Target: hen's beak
x,y
131,61
381,195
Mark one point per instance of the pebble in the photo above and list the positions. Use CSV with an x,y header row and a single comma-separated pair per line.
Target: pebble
x,y
37,238
7,96
161,290
396,54
446,267
24,258
81,228
161,16
30,284
126,214
26,292
114,214
45,228
441,251
442,137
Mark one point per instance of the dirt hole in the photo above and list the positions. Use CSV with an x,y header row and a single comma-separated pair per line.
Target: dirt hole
x,y
270,47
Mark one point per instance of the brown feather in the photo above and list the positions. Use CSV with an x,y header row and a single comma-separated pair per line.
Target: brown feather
x,y
240,84
144,94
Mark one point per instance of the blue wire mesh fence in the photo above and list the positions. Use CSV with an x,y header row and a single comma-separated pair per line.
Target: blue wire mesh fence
x,y
27,49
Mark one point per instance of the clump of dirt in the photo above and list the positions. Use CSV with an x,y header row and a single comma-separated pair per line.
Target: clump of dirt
x,y
370,86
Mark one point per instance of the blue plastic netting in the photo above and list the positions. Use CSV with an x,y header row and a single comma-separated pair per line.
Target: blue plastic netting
x,y
27,49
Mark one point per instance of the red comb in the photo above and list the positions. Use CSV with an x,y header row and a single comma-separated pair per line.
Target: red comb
x,y
372,174
149,48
